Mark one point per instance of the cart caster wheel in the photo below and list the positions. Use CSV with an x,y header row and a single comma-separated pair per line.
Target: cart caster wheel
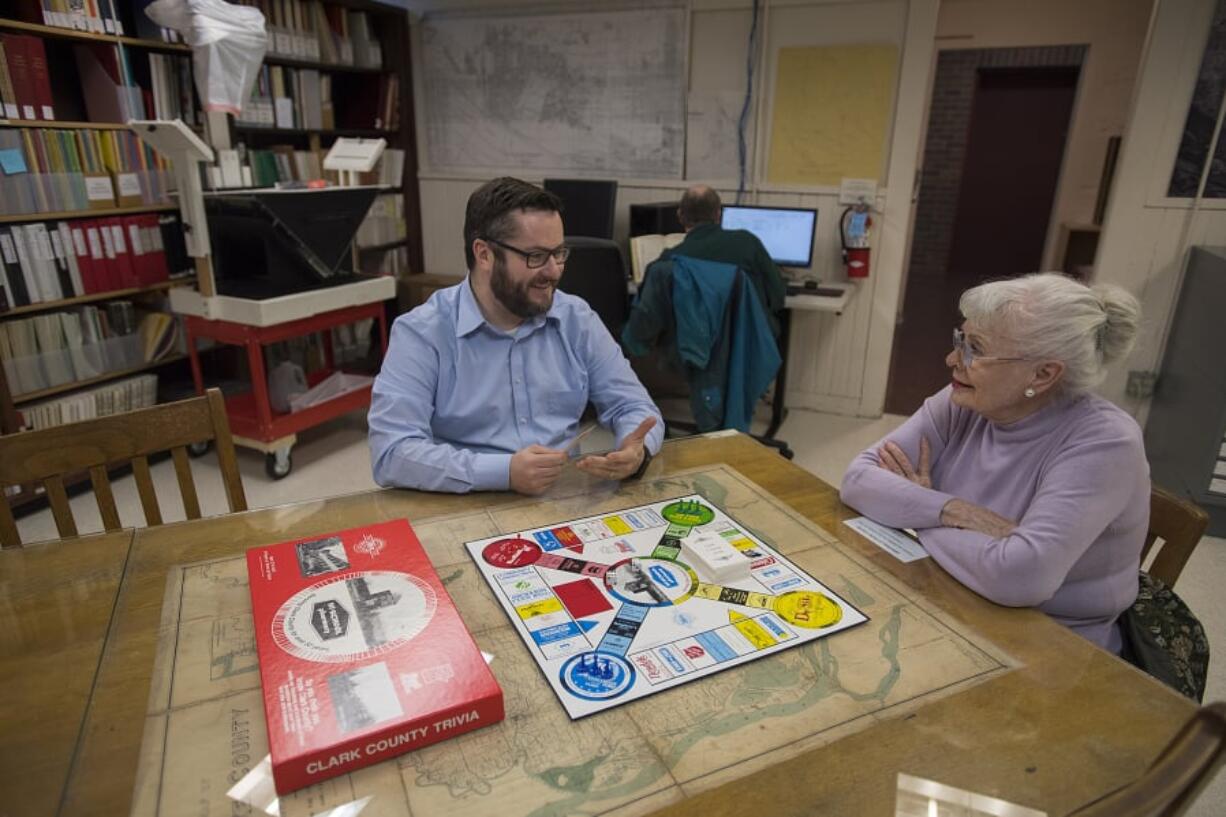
x,y
278,465
198,450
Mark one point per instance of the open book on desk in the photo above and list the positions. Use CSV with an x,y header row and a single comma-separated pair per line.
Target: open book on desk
x,y
647,248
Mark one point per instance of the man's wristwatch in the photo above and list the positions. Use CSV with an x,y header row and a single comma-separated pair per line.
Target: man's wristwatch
x,y
642,469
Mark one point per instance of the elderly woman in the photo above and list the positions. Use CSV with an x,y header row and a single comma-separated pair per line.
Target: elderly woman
x,y
1024,486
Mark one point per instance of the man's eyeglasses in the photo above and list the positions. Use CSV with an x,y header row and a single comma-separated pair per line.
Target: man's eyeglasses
x,y
969,355
537,258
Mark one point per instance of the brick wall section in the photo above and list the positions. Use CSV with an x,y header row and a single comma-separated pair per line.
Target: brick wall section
x,y
945,146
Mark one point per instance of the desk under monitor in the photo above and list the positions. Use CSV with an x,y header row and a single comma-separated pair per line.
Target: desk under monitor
x,y
821,299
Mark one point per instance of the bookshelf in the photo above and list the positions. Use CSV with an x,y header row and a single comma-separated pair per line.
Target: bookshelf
x,y
49,154
359,49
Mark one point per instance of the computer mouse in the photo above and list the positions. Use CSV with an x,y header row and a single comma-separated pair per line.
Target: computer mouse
x,y
810,284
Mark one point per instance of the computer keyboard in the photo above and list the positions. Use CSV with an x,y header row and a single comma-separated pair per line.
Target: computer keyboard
x,y
800,289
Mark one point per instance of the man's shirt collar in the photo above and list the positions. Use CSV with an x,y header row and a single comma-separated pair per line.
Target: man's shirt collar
x,y
469,317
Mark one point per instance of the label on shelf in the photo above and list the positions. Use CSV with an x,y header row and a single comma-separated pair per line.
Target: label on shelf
x,y
98,188
129,184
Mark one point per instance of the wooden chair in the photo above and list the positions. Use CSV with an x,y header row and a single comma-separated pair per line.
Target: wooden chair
x,y
1172,782
1180,524
48,455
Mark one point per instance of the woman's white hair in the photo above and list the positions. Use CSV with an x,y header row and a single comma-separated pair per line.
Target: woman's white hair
x,y
1049,316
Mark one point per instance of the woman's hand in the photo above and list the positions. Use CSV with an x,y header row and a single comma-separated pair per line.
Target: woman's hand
x,y
892,458
958,513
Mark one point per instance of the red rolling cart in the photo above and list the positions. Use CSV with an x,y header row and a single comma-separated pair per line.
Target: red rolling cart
x,y
253,422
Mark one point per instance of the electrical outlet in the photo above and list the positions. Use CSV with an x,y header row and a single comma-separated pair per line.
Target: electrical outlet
x,y
1141,384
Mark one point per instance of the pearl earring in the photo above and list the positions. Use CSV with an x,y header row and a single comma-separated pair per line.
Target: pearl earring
x,y
1029,392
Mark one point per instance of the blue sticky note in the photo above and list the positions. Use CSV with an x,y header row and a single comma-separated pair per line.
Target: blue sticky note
x,y
13,161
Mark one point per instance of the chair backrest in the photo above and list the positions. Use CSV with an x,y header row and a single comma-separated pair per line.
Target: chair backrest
x,y
1180,524
588,205
1172,782
48,455
596,272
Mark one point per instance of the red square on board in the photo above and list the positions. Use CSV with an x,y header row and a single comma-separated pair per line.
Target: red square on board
x,y
582,598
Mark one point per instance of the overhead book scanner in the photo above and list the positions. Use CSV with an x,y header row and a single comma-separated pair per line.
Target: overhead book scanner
x,y
268,243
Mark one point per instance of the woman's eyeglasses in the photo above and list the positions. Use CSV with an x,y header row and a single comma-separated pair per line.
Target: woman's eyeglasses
x,y
969,355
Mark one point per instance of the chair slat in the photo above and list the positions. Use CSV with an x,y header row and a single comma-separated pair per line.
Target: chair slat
x,y
187,487
223,442
144,487
60,508
105,497
9,535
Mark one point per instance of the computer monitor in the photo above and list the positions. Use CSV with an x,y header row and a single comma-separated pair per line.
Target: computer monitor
x,y
786,232
587,205
267,243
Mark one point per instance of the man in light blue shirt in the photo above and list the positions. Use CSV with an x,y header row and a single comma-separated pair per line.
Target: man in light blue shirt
x,y
483,385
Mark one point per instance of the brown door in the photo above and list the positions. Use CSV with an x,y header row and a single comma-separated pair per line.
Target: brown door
x,y
1015,144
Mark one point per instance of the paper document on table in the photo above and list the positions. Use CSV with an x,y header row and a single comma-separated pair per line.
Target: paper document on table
x,y
893,541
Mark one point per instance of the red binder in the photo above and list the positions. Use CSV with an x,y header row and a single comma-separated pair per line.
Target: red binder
x,y
36,57
19,73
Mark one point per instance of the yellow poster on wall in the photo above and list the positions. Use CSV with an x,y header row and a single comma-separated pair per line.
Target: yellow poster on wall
x,y
831,113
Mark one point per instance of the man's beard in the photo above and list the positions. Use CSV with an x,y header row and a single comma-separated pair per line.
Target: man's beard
x,y
514,297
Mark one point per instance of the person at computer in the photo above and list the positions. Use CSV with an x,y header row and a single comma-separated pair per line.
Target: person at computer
x,y
699,211
483,386
1024,485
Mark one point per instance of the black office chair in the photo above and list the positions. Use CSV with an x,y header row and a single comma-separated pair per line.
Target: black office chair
x,y
596,272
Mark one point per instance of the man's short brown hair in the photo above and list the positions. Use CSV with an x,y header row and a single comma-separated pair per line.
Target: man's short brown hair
x,y
488,214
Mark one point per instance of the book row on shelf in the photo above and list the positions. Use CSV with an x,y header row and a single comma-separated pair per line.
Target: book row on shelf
x,y
45,170
392,261
56,349
92,82
286,164
96,16
312,30
116,397
297,29
50,261
384,222
305,98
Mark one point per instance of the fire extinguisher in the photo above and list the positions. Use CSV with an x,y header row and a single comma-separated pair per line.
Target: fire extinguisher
x,y
854,228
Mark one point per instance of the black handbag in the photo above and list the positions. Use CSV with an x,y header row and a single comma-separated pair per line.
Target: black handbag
x,y
1164,638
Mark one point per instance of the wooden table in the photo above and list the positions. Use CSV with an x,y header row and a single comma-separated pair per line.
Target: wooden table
x,y
1070,723
55,606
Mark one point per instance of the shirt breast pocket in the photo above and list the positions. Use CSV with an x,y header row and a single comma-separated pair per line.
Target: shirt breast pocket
x,y
566,405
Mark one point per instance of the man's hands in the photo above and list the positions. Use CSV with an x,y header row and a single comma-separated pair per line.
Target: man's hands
x,y
624,461
892,458
535,468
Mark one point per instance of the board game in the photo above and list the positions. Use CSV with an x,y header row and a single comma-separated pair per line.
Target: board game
x,y
362,654
622,605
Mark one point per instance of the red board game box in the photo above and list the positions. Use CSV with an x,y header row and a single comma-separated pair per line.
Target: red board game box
x,y
362,654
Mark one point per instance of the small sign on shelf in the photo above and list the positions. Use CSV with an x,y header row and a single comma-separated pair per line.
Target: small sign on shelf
x,y
353,156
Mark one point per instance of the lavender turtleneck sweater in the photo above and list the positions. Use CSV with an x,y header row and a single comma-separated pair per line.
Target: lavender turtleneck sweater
x,y
1073,475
